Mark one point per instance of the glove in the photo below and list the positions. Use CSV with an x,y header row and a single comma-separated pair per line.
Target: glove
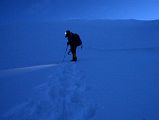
x,y
69,52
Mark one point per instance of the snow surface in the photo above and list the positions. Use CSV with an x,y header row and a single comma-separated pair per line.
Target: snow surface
x,y
116,77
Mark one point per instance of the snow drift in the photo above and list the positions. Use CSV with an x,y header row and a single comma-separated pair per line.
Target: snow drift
x,y
61,98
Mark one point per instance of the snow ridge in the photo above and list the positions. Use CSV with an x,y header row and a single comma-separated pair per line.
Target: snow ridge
x,y
62,98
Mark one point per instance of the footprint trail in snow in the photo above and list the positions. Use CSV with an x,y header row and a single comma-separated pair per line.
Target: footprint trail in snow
x,y
61,98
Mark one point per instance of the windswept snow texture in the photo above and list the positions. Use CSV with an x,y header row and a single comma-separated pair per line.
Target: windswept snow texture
x,y
115,78
62,97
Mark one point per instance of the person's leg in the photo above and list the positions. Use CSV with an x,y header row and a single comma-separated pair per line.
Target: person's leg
x,y
74,57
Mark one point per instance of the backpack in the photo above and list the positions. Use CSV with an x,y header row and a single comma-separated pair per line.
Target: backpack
x,y
77,39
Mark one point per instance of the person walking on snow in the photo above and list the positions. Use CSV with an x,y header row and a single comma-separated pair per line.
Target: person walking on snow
x,y
73,41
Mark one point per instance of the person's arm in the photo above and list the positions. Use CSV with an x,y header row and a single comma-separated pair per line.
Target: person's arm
x,y
68,43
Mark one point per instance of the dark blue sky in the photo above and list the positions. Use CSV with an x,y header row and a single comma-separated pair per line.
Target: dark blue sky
x,y
87,9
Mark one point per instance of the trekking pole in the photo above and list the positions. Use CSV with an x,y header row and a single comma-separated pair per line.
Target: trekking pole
x,y
64,54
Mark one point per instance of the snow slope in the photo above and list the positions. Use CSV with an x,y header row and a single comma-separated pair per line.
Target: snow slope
x,y
61,97
116,76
